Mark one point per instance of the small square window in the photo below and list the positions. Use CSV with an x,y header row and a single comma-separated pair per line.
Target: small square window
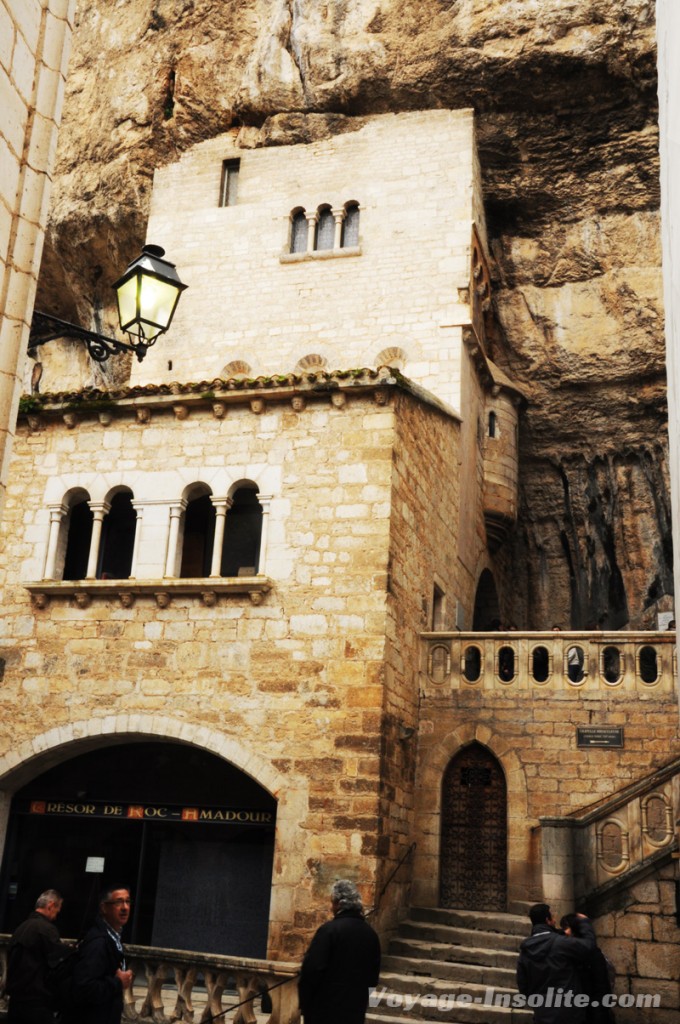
x,y
229,183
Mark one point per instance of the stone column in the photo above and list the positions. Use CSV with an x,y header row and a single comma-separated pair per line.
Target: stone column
x,y
173,536
312,219
99,510
265,502
139,509
57,513
557,855
339,216
33,87
221,506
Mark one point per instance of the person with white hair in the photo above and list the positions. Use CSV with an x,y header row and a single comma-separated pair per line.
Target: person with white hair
x,y
341,964
34,948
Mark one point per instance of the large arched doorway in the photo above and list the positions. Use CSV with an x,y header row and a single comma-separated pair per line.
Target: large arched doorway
x,y
486,615
191,835
473,860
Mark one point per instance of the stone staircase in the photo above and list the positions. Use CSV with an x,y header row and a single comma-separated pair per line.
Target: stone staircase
x,y
439,956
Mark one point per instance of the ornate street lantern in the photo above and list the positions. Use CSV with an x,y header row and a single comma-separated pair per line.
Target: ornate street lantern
x,y
147,296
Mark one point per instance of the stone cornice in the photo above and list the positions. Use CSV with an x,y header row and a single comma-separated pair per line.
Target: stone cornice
x,y
338,386
162,590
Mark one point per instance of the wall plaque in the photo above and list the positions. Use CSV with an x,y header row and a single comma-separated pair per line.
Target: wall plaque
x,y
599,736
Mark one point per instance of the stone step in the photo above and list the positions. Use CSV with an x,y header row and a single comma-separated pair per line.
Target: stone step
x,y
454,936
441,1005
507,924
473,973
468,954
418,985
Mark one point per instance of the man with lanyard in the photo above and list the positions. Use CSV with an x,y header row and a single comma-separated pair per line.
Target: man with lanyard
x,y
100,975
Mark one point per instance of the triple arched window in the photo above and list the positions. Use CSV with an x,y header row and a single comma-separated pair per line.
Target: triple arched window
x,y
327,229
205,535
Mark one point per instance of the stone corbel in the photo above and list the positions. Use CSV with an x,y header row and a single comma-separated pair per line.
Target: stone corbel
x,y
257,405
219,410
255,596
40,601
209,598
298,403
127,598
70,419
380,397
162,598
181,411
338,399
82,599
143,414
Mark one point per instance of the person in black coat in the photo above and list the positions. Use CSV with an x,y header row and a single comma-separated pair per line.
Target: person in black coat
x,y
341,964
598,976
99,975
34,948
549,959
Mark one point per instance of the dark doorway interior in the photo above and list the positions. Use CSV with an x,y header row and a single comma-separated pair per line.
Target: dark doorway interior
x,y
190,834
486,615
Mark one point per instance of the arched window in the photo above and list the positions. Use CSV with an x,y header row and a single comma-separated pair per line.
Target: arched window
x,y
540,664
506,664
486,615
350,226
118,539
472,663
199,533
242,534
298,232
78,527
325,229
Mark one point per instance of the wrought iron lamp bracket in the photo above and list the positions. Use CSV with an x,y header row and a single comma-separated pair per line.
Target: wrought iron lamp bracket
x,y
46,328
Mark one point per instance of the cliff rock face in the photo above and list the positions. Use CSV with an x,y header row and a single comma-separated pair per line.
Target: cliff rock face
x,y
565,95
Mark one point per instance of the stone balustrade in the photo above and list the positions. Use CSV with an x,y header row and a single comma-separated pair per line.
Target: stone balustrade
x,y
594,663
586,857
166,980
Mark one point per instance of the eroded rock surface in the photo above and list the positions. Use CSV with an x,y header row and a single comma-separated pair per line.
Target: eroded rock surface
x,y
565,94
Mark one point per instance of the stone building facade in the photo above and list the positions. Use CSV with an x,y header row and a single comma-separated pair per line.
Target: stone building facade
x,y
328,397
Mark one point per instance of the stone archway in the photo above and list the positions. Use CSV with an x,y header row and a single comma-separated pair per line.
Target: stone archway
x,y
474,835
33,757
523,859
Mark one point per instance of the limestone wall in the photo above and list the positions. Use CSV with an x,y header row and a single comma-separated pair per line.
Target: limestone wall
x,y
296,689
35,42
426,579
533,734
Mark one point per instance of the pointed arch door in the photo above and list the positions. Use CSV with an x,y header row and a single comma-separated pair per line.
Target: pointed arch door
x,y
474,841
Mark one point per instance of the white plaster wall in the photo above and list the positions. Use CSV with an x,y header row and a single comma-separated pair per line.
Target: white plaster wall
x,y
416,179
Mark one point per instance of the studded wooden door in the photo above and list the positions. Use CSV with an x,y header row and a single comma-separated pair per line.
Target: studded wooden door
x,y
473,869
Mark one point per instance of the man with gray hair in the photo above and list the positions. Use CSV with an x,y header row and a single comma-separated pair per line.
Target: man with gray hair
x,y
341,964
34,948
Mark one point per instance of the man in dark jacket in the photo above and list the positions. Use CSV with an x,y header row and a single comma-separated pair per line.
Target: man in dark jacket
x,y
34,948
99,975
341,964
550,968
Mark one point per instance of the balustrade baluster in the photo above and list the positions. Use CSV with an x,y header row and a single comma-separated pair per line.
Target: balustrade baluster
x,y
185,979
246,985
152,1007
215,983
